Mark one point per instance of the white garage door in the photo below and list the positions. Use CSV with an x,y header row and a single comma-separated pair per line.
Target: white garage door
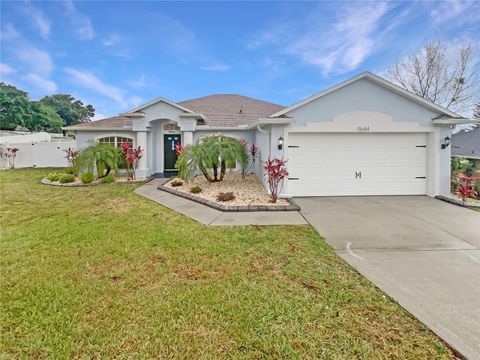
x,y
339,164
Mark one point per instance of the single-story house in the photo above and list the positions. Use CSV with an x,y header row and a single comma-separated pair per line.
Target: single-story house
x,y
363,136
466,144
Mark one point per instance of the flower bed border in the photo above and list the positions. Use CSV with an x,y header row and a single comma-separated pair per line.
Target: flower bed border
x,y
231,208
45,181
457,201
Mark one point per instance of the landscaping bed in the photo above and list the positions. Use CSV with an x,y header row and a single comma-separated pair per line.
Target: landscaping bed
x,y
454,199
77,182
249,194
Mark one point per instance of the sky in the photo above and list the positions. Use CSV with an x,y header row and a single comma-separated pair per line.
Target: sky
x,y
118,55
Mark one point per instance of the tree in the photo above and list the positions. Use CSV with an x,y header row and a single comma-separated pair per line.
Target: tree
x,y
71,110
15,107
476,111
214,152
100,156
432,75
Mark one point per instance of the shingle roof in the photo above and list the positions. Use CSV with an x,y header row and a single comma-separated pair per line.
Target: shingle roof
x,y
114,122
230,110
467,143
220,110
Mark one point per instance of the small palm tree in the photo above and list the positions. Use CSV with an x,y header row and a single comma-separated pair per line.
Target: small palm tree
x,y
103,157
213,152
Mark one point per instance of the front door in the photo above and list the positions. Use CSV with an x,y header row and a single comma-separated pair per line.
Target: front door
x,y
170,155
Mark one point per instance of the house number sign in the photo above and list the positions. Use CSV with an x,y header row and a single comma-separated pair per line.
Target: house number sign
x,y
363,128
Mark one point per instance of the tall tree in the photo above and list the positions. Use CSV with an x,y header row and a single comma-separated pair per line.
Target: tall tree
x,y
433,75
71,110
15,107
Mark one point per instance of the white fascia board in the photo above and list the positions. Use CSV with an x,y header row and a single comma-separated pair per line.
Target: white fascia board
x,y
97,129
377,79
157,100
282,120
193,115
454,121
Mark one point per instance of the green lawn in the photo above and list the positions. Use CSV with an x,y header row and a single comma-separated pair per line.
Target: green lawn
x,y
101,272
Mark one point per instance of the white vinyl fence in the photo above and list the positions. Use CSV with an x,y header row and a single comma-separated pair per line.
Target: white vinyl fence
x,y
38,154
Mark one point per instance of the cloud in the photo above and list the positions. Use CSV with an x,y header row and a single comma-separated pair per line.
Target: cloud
x,y
112,40
216,67
88,80
459,11
41,83
6,69
139,83
79,21
38,61
9,33
347,43
336,43
39,20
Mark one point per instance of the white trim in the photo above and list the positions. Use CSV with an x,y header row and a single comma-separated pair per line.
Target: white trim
x,y
285,120
377,79
455,121
103,136
157,100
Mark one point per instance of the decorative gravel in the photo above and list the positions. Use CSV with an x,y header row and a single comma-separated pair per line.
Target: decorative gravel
x,y
248,191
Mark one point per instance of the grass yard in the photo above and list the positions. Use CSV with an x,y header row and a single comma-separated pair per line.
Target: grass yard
x,y
100,272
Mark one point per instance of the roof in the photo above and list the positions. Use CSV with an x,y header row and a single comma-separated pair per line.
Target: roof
x,y
114,122
157,100
230,110
378,80
467,143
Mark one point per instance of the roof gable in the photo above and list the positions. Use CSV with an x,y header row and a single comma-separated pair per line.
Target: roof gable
x,y
158,100
376,79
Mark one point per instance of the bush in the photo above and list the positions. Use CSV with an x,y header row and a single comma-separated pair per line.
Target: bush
x,y
66,178
195,189
225,196
53,176
87,178
69,170
176,183
107,179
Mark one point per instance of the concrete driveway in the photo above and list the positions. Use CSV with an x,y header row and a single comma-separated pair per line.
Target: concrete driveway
x,y
423,252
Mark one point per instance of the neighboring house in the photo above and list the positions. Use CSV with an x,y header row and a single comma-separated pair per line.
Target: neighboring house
x,y
364,136
466,144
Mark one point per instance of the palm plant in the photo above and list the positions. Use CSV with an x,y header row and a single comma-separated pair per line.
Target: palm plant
x,y
102,157
212,153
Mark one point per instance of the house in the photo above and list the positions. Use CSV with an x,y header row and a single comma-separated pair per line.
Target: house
x,y
466,144
363,136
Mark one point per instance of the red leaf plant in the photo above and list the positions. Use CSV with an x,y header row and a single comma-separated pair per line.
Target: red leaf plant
x,y
275,171
178,148
465,186
11,154
132,155
71,156
253,150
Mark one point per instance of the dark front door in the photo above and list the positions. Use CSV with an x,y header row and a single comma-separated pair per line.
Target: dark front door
x,y
170,155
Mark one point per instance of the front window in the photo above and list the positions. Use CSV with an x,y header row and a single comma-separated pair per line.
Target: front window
x,y
116,141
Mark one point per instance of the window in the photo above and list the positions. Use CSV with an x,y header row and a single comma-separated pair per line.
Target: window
x,y
116,141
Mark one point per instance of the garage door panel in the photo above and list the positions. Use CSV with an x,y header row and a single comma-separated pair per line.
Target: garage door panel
x,y
357,164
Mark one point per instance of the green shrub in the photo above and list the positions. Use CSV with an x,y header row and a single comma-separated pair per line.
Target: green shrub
x,y
107,179
87,178
225,196
176,183
69,170
195,189
66,178
53,176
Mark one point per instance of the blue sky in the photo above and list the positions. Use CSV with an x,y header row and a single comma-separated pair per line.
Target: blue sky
x,y
116,55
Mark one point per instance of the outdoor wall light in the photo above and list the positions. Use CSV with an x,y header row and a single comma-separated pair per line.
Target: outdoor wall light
x,y
280,143
446,142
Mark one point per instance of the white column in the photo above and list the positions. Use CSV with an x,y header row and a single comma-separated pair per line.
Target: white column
x,y
142,168
187,138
